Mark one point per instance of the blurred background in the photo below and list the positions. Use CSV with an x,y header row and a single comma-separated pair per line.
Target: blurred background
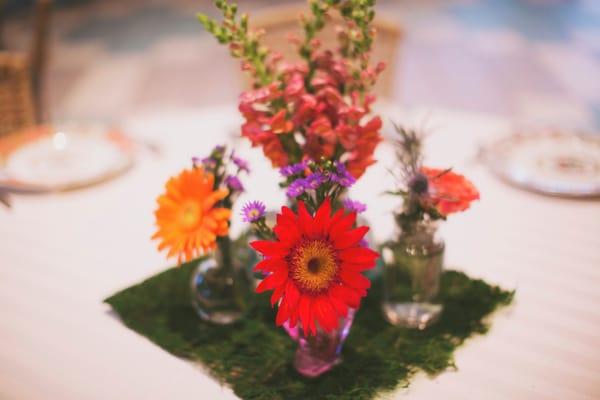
x,y
536,62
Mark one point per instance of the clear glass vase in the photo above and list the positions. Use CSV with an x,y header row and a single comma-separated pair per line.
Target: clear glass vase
x,y
222,285
317,354
411,280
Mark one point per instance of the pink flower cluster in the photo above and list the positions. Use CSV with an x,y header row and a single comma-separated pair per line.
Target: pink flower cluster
x,y
304,114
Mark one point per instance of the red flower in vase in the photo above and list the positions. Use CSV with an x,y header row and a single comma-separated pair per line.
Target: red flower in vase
x,y
314,267
448,192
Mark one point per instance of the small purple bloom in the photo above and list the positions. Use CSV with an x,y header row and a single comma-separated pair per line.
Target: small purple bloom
x,y
234,183
296,188
354,206
342,176
240,163
294,169
253,211
345,180
314,181
340,167
207,162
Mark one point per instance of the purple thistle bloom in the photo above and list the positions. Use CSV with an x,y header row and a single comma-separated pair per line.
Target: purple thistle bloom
x,y
253,211
234,183
296,188
354,206
240,163
294,169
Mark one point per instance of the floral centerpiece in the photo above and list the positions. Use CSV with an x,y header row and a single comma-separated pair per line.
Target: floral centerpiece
x,y
414,260
312,119
193,219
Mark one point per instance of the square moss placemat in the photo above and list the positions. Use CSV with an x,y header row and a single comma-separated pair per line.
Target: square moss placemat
x,y
255,358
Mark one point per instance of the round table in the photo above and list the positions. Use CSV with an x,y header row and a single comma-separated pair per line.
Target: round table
x,y
62,254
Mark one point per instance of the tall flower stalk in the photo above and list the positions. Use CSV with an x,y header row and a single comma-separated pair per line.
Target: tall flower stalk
x,y
318,108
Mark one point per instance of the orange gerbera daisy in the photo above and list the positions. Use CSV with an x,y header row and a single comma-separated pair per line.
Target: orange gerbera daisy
x,y
188,221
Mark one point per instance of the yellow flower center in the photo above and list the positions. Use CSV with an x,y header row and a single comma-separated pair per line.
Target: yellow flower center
x,y
254,213
189,215
313,265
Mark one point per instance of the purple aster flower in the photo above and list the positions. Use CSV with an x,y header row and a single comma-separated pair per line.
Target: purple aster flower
x,y
253,211
296,188
354,206
342,176
314,181
207,162
240,163
294,169
234,183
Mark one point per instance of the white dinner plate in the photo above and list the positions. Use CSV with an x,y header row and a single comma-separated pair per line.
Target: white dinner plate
x,y
553,163
67,159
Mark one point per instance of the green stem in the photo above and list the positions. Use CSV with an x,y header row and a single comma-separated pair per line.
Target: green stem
x,y
224,244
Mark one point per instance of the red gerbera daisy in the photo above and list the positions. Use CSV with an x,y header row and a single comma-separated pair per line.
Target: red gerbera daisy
x,y
314,267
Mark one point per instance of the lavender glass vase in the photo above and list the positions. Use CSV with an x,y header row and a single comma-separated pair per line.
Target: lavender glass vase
x,y
317,354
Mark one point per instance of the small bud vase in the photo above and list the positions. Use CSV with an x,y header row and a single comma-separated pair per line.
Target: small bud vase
x,y
317,354
222,286
411,280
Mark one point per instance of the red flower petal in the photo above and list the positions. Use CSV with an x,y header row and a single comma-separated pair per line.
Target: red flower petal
x,y
277,278
287,234
277,293
358,255
325,313
269,249
354,279
334,220
304,219
344,224
270,265
305,313
347,295
282,313
340,307
350,238
322,217
292,294
288,214
356,267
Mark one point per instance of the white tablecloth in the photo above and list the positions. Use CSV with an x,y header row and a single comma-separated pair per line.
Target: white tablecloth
x,y
61,255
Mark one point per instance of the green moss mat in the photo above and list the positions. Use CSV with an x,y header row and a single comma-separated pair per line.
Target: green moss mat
x,y
255,358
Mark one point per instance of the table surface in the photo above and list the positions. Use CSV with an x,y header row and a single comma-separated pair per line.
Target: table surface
x,y
62,254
